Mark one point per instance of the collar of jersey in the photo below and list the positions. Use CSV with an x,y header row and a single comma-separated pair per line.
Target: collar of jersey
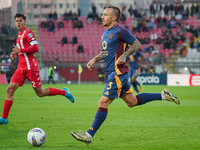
x,y
22,31
113,26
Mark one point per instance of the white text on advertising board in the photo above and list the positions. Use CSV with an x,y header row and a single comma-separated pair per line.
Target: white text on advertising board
x,y
149,79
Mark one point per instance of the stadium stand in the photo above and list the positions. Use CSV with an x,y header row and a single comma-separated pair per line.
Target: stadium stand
x,y
89,36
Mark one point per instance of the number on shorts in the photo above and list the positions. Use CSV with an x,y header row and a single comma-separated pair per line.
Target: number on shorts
x,y
33,84
110,84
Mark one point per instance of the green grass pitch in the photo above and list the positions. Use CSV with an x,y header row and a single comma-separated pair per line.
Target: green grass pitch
x,y
158,125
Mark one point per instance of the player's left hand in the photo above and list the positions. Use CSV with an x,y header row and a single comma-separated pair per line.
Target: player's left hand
x,y
16,50
90,64
120,61
13,56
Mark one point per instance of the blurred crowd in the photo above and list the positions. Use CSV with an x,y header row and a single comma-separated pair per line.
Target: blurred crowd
x,y
164,28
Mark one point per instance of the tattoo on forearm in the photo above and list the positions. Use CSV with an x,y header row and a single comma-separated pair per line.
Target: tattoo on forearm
x,y
98,57
132,49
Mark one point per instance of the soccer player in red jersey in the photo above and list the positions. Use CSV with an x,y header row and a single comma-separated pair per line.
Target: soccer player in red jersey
x,y
28,68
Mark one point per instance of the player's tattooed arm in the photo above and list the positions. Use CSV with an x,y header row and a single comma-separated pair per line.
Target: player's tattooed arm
x,y
98,57
132,49
93,60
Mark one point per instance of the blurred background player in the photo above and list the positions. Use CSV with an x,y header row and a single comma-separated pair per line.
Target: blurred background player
x,y
134,61
113,43
28,68
101,73
50,75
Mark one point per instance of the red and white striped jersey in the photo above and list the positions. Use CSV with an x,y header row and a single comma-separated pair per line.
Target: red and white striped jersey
x,y
27,60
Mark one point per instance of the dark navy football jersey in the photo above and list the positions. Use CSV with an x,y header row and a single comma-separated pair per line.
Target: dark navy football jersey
x,y
113,43
133,59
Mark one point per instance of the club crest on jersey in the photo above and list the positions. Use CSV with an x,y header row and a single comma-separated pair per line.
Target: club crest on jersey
x,y
111,36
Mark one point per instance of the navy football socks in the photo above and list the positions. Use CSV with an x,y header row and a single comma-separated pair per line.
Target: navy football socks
x,y
135,88
143,98
99,119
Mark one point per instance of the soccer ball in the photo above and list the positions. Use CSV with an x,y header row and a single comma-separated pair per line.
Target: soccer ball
x,y
36,137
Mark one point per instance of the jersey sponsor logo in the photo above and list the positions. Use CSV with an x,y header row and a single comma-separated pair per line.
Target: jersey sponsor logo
x,y
104,45
106,93
111,36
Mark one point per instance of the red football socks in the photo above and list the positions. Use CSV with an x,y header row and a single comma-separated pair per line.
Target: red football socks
x,y
54,91
6,108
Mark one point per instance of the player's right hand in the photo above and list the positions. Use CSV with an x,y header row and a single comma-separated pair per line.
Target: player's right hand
x,y
13,56
90,64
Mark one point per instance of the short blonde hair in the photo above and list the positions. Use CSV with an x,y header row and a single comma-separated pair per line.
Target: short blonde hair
x,y
116,12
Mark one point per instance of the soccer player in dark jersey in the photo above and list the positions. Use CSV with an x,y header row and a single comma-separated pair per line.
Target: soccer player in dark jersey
x,y
134,60
28,68
113,43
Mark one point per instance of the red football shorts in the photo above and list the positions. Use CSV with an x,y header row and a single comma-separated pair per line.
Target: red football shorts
x,y
33,76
